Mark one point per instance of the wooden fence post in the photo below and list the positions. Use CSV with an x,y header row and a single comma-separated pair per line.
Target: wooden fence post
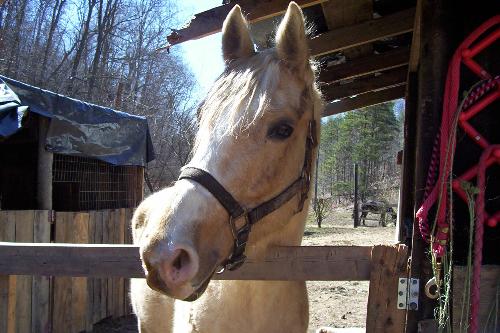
x,y
388,264
356,196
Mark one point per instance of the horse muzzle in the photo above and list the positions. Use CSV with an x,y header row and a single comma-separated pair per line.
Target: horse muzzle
x,y
171,271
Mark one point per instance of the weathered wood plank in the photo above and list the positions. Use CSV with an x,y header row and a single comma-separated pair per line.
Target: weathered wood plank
x,y
4,302
128,240
109,227
92,295
118,238
364,100
389,263
24,233
40,302
416,37
79,302
369,64
363,85
11,314
120,306
62,311
209,22
489,292
7,283
282,263
341,13
104,281
362,33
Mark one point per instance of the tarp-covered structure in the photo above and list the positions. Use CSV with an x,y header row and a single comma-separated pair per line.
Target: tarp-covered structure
x,y
77,128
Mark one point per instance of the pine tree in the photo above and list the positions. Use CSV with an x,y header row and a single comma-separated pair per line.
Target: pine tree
x,y
369,137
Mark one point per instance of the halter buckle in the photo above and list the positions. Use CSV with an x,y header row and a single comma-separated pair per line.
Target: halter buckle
x,y
235,263
234,230
240,240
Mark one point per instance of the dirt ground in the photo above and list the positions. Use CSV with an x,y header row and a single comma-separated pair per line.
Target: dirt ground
x,y
332,303
341,303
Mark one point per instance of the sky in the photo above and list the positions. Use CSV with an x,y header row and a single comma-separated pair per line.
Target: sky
x,y
203,55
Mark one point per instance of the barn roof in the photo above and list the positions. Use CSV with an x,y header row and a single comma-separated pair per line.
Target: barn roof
x,y
363,46
77,128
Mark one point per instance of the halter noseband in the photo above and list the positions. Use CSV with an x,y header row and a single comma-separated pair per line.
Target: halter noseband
x,y
252,216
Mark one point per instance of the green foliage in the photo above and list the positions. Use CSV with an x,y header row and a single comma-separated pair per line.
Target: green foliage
x,y
370,137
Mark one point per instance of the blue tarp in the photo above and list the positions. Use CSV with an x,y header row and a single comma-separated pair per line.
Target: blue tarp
x,y
77,128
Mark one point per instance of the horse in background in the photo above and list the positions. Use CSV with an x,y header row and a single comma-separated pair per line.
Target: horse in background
x,y
245,190
377,207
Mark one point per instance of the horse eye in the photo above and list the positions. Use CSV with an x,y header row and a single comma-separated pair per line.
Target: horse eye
x,y
280,132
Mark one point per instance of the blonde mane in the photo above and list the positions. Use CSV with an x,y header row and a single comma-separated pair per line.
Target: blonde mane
x,y
242,93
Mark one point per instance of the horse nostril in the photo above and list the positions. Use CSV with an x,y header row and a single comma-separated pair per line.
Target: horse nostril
x,y
181,260
181,267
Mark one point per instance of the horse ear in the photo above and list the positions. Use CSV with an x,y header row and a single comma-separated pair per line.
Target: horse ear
x,y
291,40
236,40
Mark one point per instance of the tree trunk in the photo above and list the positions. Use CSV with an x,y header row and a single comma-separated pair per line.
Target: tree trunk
x,y
56,15
81,47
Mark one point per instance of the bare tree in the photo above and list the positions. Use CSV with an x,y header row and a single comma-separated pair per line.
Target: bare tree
x,y
87,49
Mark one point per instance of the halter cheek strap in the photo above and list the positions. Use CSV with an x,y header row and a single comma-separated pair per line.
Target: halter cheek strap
x,y
252,216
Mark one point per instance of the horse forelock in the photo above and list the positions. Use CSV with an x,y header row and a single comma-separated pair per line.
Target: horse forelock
x,y
245,90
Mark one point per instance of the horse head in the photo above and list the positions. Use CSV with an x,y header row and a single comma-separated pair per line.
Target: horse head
x,y
255,143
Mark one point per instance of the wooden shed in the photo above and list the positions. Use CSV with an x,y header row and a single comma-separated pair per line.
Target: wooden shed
x,y
70,172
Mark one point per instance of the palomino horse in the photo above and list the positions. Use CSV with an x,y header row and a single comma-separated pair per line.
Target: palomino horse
x,y
250,170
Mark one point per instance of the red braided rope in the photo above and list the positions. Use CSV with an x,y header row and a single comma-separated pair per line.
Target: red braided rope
x,y
474,103
478,236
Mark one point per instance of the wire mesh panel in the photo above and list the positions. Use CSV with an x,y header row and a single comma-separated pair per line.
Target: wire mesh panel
x,y
81,183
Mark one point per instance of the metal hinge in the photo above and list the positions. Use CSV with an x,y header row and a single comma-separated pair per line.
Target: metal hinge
x,y
408,293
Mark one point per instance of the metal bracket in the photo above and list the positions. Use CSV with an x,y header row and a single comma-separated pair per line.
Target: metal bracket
x,y
408,293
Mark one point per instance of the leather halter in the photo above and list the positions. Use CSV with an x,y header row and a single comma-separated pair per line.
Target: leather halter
x,y
252,216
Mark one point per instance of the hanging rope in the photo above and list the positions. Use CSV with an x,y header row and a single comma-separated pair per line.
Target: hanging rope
x,y
439,174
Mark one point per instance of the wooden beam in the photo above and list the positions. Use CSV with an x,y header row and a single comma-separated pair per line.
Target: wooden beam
x,y
349,263
364,100
308,263
438,38
341,13
370,64
210,22
362,33
415,42
363,85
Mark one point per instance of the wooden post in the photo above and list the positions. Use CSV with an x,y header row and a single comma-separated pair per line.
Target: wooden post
x,y
436,47
388,264
44,168
356,206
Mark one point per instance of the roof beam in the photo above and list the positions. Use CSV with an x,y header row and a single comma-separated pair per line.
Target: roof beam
x,y
364,85
364,100
362,33
210,22
366,65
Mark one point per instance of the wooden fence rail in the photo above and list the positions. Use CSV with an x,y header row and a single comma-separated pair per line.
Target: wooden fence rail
x,y
339,263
